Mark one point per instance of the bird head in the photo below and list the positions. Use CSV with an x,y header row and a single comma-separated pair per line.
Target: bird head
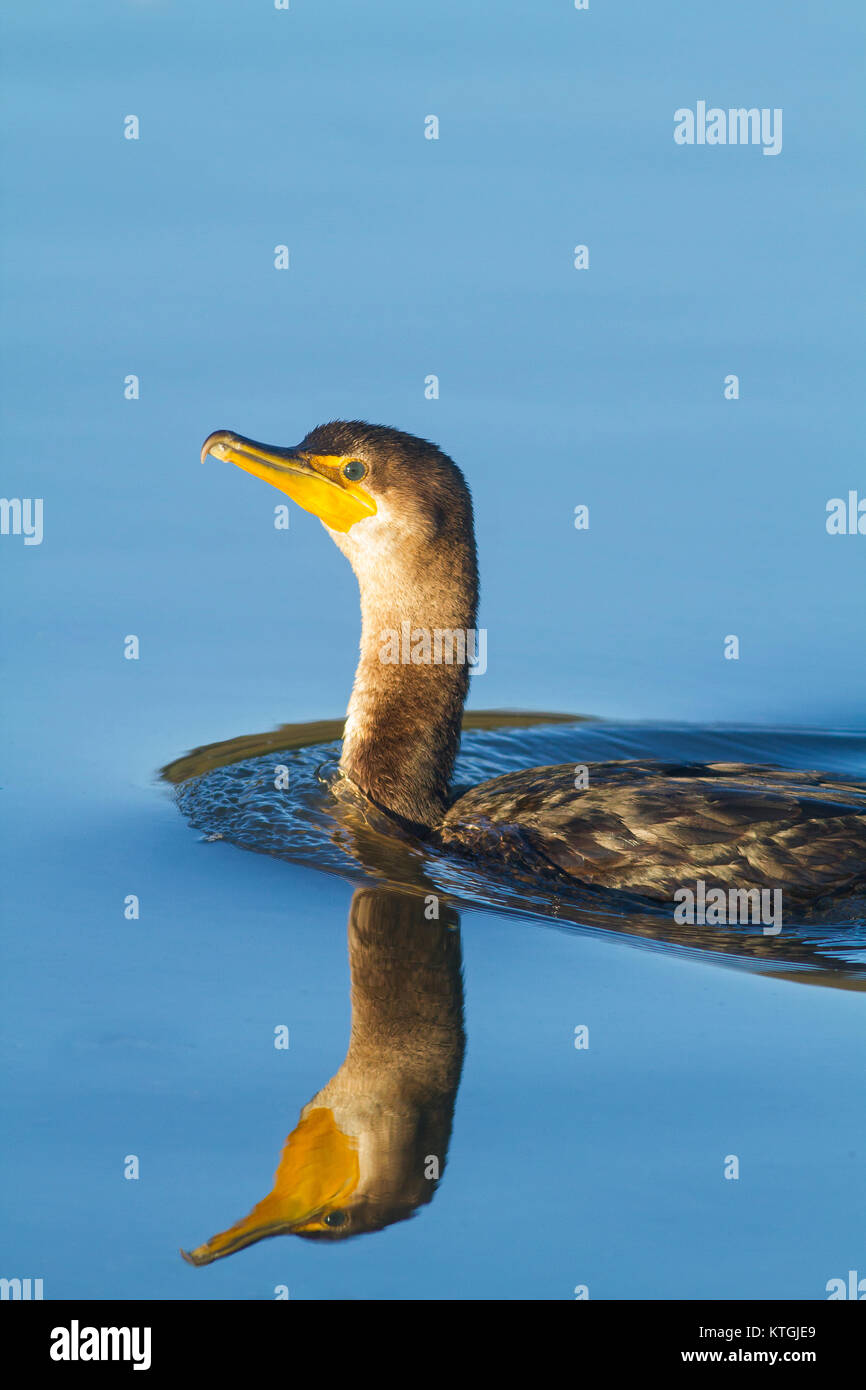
x,y
373,488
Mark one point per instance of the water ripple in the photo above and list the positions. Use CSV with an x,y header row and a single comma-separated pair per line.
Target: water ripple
x,y
308,814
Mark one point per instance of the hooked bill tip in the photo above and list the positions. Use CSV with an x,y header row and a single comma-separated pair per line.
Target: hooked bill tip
x,y
212,440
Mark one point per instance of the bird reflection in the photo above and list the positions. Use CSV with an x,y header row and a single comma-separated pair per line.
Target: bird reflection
x,y
370,1147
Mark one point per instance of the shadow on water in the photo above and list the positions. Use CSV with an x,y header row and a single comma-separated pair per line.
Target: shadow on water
x,y
370,1147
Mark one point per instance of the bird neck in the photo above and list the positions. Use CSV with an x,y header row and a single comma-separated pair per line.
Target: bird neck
x,y
407,1035
394,1095
417,639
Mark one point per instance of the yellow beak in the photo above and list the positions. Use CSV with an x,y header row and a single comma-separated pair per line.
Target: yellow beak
x,y
318,1172
314,481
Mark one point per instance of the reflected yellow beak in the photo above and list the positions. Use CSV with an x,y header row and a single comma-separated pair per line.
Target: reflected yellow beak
x,y
314,481
318,1172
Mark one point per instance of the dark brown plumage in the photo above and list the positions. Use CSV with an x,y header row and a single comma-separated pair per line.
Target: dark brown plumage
x,y
647,828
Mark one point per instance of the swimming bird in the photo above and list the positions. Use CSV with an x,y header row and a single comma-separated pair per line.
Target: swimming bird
x,y
400,511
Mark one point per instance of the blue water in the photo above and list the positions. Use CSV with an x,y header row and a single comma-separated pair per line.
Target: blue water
x,y
154,1036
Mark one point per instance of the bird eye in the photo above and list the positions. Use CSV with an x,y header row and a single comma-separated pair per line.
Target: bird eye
x,y
354,469
336,1218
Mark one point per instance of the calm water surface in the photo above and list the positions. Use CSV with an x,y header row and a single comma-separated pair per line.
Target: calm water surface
x,y
154,1036
601,1166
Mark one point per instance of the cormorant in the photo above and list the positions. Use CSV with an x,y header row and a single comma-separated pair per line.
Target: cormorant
x,y
401,512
